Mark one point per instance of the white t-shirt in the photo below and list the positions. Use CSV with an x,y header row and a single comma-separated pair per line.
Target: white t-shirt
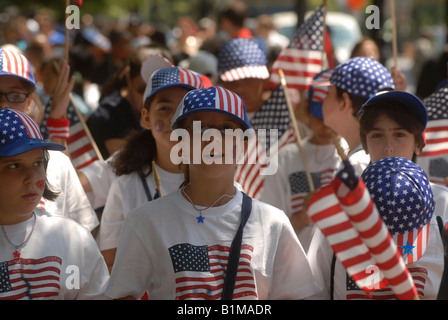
x,y
426,272
60,261
164,250
100,175
127,193
72,201
287,189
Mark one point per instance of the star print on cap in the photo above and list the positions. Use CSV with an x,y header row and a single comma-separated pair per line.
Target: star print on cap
x,y
170,77
13,63
403,196
362,76
216,99
19,133
242,59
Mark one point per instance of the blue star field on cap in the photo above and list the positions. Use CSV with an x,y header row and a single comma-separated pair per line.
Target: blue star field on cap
x,y
362,76
403,196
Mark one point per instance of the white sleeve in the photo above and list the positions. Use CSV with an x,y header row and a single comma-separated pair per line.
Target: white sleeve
x,y
112,218
95,275
320,257
72,201
132,267
275,192
292,276
100,176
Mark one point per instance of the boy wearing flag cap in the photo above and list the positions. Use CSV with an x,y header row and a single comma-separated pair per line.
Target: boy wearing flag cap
x,y
177,247
17,84
392,123
136,179
403,197
36,247
350,86
288,188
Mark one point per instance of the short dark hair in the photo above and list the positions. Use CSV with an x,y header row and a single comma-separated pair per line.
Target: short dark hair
x,y
405,116
357,101
236,12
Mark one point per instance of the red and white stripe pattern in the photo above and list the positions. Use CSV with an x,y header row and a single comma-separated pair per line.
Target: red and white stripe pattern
x,y
37,278
304,57
205,279
79,147
31,127
246,72
367,221
14,63
436,137
358,235
58,128
188,77
325,210
418,240
228,101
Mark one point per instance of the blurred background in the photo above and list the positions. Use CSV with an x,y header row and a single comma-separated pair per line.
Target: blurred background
x,y
421,26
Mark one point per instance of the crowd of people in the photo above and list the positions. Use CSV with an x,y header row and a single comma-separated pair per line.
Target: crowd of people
x,y
130,223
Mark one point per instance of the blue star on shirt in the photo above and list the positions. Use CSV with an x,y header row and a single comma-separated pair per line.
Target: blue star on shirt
x,y
200,219
407,249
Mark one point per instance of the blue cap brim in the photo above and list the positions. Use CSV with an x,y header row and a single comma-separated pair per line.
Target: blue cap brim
x,y
26,145
401,96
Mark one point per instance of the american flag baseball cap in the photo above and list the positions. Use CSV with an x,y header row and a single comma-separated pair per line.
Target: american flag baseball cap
x,y
317,93
403,196
216,99
242,59
400,96
170,77
360,76
13,63
19,133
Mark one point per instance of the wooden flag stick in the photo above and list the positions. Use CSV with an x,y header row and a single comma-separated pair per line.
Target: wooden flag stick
x,y
296,129
67,4
338,146
157,178
324,35
394,31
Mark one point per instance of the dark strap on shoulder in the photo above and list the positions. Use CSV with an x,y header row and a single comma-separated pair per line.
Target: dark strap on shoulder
x,y
443,289
333,266
235,249
146,187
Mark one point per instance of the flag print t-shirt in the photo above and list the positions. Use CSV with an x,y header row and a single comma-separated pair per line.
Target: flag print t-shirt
x,y
166,251
61,261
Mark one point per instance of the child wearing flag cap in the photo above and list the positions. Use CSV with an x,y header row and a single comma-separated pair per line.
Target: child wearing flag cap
x,y
288,188
133,165
350,86
17,85
392,123
39,251
177,247
403,197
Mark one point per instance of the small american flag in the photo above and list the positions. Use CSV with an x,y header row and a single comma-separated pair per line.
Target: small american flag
x,y
347,216
200,271
273,115
303,58
35,278
300,188
436,132
80,148
419,275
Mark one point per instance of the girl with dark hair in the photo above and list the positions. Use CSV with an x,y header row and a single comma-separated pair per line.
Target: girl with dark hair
x,y
144,151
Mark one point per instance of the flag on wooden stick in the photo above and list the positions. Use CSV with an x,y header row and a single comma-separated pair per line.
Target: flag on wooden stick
x,y
347,216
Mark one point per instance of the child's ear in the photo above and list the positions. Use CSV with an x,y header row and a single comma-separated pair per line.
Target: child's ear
x,y
145,119
346,104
